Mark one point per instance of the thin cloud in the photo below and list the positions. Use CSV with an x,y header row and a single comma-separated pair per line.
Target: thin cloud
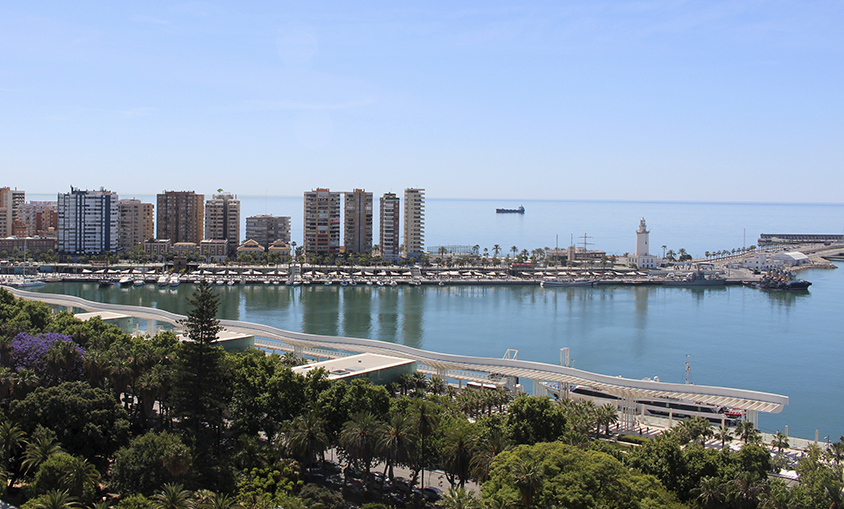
x,y
150,19
287,105
139,112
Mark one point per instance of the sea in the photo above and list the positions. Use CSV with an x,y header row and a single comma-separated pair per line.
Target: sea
x,y
784,343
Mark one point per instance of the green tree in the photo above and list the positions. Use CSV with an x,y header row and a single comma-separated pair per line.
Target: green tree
x,y
142,466
397,442
306,437
56,499
535,419
87,421
425,420
359,438
201,323
65,472
459,498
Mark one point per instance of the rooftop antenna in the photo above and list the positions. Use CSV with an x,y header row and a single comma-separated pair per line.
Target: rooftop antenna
x,y
688,368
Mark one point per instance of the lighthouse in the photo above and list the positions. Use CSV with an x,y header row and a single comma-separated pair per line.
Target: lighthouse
x,y
642,238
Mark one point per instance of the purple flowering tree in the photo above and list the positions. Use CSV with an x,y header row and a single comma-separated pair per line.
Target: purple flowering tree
x,y
52,356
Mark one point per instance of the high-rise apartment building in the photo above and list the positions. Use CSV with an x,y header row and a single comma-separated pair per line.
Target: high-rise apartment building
x,y
135,224
322,222
414,222
266,229
87,221
388,222
358,222
179,216
10,200
222,220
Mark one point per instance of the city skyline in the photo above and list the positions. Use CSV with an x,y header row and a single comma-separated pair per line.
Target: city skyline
x,y
671,101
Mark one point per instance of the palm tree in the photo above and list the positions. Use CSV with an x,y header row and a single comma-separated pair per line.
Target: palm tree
x,y
710,493
607,415
744,489
495,250
55,499
307,438
459,499
79,474
38,451
724,435
172,496
457,451
396,442
494,443
748,432
11,437
437,385
424,421
359,437
514,249
780,442
527,476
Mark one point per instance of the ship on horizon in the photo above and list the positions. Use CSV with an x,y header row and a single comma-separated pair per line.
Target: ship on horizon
x,y
520,210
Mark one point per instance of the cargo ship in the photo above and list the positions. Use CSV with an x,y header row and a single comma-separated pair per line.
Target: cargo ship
x,y
520,210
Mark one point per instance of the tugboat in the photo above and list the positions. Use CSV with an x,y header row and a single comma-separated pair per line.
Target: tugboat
x,y
780,280
520,210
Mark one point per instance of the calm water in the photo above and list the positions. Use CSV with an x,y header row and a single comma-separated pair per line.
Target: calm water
x,y
739,337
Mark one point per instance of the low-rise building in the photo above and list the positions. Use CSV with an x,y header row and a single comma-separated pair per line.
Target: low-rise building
x,y
32,245
250,247
214,250
279,247
184,249
157,248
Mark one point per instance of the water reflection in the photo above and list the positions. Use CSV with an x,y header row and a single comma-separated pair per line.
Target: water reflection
x,y
412,316
388,313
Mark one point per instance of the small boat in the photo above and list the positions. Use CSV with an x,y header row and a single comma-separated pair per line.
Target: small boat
x,y
556,283
175,281
138,282
163,280
106,282
125,281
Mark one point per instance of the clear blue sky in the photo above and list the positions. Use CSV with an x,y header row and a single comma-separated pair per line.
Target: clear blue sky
x,y
650,100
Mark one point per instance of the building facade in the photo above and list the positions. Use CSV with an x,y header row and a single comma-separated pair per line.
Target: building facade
x,y
322,222
87,221
38,217
265,229
222,220
10,200
358,222
414,222
388,226
179,216
135,224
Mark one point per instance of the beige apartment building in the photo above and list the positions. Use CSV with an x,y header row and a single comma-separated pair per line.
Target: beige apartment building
x,y
358,222
135,224
10,199
322,222
265,229
222,220
388,223
414,222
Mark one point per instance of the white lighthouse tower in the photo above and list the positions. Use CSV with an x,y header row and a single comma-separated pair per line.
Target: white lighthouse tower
x,y
642,238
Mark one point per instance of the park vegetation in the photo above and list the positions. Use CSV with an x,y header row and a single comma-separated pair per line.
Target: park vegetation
x,y
93,417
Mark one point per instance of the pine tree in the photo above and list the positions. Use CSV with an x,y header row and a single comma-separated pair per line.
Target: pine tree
x,y
201,390
201,324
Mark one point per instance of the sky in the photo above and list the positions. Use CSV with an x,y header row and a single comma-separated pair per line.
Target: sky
x,y
736,101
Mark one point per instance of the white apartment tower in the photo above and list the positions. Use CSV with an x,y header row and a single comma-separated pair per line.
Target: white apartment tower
x,y
222,220
87,221
414,222
322,222
266,229
388,239
358,222
135,224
